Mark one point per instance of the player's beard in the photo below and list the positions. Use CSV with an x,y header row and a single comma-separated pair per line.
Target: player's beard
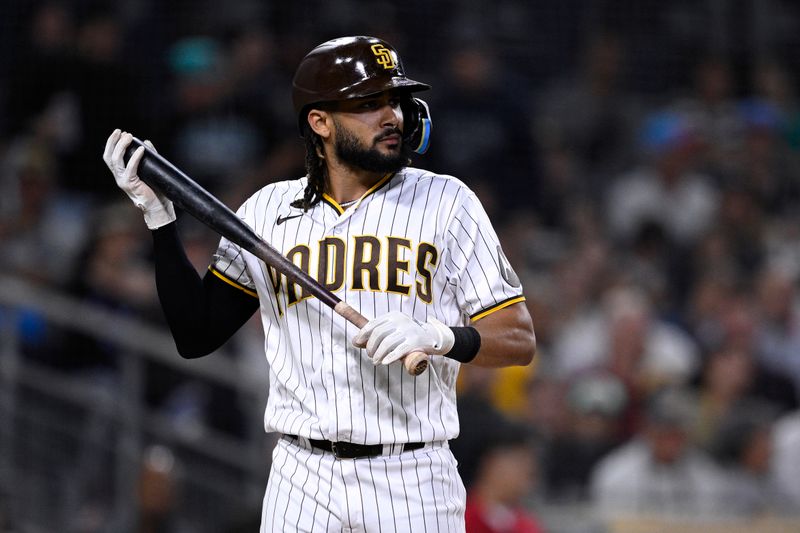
x,y
352,152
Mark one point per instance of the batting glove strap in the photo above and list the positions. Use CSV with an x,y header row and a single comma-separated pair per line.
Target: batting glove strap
x,y
442,335
159,215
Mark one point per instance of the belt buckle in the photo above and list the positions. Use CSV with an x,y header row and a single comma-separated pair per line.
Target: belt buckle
x,y
335,450
347,450
340,450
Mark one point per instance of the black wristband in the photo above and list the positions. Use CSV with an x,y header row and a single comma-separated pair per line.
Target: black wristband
x,y
466,345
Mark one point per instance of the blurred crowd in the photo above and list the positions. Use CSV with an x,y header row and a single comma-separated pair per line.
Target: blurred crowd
x,y
652,211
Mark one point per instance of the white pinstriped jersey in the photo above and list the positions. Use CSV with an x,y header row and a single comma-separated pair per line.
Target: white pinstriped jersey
x,y
416,242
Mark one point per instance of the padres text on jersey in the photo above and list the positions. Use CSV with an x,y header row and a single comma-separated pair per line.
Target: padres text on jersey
x,y
416,242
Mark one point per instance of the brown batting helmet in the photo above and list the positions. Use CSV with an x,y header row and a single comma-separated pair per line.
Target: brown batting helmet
x,y
348,67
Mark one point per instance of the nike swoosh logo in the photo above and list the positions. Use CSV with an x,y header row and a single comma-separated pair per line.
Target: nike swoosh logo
x,y
281,219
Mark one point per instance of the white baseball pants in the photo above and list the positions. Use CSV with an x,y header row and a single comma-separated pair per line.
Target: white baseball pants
x,y
310,490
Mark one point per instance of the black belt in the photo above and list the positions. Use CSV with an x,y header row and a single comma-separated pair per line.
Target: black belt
x,y
348,450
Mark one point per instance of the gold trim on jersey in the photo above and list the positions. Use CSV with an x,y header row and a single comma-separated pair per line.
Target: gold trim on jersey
x,y
232,283
497,307
339,209
381,182
333,203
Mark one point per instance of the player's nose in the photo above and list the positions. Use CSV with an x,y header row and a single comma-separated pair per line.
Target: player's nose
x,y
392,116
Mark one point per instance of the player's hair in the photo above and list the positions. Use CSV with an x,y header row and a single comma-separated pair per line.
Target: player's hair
x,y
316,170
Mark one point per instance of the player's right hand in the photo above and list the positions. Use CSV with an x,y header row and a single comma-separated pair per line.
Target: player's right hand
x,y
158,209
394,335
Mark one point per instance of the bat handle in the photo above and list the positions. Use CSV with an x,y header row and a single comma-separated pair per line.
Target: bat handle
x,y
416,362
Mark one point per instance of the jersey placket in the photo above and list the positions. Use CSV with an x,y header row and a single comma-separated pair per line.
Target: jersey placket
x,y
354,356
342,361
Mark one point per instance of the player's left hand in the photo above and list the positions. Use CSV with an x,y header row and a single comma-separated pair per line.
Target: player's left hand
x,y
157,208
392,336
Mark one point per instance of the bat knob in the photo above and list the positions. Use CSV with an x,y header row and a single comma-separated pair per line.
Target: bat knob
x,y
416,363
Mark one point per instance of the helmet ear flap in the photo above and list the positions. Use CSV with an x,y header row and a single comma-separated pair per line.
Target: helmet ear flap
x,y
418,124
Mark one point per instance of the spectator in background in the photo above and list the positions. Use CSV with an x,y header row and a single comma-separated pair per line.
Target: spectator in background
x,y
732,378
650,261
741,331
778,318
773,83
213,137
742,224
711,109
562,187
505,477
586,121
782,243
254,73
113,271
157,505
595,404
584,271
547,412
786,460
508,389
725,379
101,90
42,230
743,446
480,412
40,68
765,166
624,335
666,190
710,293
659,473
476,415
157,491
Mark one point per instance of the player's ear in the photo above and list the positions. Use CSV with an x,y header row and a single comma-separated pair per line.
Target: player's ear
x,y
320,122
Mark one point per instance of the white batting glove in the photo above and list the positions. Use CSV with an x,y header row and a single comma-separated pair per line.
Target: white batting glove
x,y
395,335
157,208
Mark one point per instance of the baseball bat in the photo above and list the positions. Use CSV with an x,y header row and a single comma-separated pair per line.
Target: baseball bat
x,y
192,198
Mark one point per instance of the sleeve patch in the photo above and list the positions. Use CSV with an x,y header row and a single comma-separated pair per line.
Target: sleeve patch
x,y
506,271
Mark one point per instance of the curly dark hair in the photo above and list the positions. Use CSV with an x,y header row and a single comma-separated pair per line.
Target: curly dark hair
x,y
316,170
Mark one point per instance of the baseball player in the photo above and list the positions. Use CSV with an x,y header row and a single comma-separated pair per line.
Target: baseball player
x,y
364,445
